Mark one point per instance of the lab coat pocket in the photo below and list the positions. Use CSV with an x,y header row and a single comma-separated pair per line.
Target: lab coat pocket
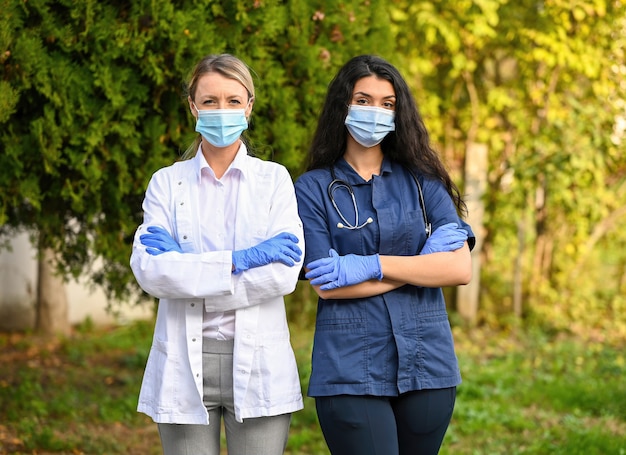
x,y
257,223
278,371
160,375
259,230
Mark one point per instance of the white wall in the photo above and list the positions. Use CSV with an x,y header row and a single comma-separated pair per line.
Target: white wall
x,y
18,293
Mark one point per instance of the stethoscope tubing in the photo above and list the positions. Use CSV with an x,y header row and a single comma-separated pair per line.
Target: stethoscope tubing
x,y
336,183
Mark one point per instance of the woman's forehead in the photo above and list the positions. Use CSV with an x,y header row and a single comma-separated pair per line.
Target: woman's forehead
x,y
374,86
216,84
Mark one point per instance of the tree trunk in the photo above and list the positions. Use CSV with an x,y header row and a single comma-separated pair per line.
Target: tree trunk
x,y
52,307
518,273
476,163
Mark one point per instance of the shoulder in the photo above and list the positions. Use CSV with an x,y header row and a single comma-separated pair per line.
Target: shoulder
x,y
266,167
176,168
267,172
177,171
428,184
313,178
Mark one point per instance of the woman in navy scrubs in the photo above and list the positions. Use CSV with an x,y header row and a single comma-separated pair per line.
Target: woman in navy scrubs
x,y
374,201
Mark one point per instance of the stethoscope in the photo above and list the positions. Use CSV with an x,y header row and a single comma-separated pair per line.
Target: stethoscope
x,y
336,183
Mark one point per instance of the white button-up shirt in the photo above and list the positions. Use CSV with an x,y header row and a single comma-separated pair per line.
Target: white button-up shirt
x,y
265,374
218,214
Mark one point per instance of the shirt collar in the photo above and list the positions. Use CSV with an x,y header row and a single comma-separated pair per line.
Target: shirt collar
x,y
240,163
386,166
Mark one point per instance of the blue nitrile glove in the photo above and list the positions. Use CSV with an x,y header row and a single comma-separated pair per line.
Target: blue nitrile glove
x,y
280,248
159,241
448,237
338,271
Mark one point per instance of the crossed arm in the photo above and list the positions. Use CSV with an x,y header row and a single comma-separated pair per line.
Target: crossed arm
x,y
451,268
444,260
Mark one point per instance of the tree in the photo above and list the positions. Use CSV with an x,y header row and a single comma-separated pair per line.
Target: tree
x,y
92,105
541,84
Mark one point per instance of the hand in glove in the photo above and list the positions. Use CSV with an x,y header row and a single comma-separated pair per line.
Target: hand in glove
x,y
159,241
280,248
338,271
448,237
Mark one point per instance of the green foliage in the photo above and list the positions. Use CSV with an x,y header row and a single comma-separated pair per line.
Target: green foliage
x,y
57,394
542,85
91,104
532,394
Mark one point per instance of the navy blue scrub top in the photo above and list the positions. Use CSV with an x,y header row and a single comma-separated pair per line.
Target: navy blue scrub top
x,y
391,343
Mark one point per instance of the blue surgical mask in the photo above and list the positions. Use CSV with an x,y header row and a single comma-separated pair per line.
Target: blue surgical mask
x,y
221,127
369,125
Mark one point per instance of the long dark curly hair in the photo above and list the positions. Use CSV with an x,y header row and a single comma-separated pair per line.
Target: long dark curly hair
x,y
409,144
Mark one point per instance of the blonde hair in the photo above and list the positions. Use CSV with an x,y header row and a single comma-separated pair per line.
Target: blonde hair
x,y
226,65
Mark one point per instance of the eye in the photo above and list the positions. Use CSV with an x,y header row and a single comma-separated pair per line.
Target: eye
x,y
361,101
389,105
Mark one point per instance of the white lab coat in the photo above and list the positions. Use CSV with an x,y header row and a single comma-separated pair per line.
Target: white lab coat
x,y
265,374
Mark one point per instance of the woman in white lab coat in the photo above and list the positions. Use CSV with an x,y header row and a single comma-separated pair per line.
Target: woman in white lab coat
x,y
220,246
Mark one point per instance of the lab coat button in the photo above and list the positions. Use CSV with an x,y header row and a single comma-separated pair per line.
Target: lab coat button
x,y
193,339
184,237
193,305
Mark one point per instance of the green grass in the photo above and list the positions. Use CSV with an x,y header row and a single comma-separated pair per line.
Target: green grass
x,y
539,396
523,394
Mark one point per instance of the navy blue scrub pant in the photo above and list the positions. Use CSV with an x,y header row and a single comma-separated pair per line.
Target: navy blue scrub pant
x,y
413,423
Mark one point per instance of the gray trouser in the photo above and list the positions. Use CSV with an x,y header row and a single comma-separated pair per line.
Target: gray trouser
x,y
258,436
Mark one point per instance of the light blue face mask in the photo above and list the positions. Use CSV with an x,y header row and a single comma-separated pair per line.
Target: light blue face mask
x,y
369,125
221,127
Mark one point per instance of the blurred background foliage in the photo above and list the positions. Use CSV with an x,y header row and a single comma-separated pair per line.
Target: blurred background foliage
x,y
92,103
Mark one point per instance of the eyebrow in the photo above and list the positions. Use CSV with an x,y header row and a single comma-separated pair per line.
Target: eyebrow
x,y
229,97
370,96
